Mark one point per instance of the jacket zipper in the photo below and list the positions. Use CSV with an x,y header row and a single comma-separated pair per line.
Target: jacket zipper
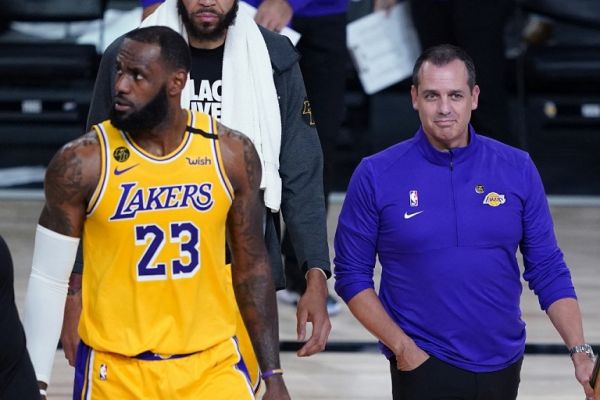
x,y
453,195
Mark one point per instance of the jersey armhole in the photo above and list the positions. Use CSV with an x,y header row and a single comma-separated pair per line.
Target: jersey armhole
x,y
220,166
104,161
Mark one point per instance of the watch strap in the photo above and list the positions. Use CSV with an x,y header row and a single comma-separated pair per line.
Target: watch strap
x,y
582,348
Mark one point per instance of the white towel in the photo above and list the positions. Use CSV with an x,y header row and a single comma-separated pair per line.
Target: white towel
x,y
249,100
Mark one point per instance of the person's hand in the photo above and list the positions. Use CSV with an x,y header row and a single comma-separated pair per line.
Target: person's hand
x,y
274,14
583,372
312,307
385,5
410,357
43,386
276,389
69,336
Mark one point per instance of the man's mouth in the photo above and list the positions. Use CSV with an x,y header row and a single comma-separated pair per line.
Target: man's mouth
x,y
206,16
122,105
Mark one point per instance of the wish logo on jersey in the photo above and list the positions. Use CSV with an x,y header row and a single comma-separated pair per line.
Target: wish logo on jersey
x,y
136,199
199,161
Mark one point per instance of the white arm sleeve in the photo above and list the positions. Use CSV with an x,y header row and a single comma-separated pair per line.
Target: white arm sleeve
x,y
53,258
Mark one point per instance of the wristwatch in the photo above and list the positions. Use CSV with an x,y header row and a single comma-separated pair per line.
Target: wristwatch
x,y
582,348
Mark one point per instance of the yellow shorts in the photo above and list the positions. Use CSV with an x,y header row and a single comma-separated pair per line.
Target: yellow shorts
x,y
244,342
217,373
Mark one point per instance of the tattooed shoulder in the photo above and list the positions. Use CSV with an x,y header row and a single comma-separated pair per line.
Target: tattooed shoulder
x,y
227,133
71,172
238,145
89,139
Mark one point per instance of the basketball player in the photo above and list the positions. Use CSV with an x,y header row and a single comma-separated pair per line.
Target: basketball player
x,y
212,34
153,191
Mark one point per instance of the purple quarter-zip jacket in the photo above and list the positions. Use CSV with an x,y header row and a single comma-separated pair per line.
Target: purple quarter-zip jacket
x,y
446,227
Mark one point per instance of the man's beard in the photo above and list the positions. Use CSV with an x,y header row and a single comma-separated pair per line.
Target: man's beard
x,y
203,32
143,120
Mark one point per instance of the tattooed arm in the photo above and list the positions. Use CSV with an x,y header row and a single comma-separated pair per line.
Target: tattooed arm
x,y
252,279
70,180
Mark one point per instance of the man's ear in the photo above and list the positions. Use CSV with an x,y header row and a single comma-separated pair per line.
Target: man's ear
x,y
475,97
177,82
413,95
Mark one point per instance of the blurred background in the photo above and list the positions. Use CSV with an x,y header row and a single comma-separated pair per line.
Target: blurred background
x,y
50,49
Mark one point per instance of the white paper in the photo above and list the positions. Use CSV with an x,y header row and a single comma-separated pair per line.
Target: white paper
x,y
383,47
290,33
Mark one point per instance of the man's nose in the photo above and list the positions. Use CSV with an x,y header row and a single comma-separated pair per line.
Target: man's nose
x,y
122,84
444,105
206,3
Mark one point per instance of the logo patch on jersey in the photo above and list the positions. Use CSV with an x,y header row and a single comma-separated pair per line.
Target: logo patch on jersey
x,y
142,199
199,161
413,197
409,216
118,171
307,115
103,372
494,199
121,154
479,189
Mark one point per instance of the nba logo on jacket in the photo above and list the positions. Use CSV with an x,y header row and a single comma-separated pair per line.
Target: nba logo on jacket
x,y
414,198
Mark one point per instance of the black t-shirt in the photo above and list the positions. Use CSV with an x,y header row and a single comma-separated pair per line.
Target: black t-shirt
x,y
207,69
12,337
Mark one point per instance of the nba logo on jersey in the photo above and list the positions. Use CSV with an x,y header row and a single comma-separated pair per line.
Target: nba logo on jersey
x,y
102,372
414,198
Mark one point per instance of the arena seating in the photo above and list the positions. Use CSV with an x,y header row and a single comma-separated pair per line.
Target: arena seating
x,y
45,84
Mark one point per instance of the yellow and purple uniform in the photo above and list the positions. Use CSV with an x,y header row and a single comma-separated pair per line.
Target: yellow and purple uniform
x,y
158,318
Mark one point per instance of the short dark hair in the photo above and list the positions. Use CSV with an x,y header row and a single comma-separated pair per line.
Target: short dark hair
x,y
444,54
174,51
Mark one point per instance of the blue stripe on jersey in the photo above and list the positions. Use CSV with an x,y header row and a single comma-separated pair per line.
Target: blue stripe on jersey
x,y
82,365
241,365
89,372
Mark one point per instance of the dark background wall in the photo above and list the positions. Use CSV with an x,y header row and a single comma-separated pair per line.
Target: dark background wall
x,y
45,90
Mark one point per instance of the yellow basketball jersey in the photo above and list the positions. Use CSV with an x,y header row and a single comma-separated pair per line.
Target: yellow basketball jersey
x,y
154,246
